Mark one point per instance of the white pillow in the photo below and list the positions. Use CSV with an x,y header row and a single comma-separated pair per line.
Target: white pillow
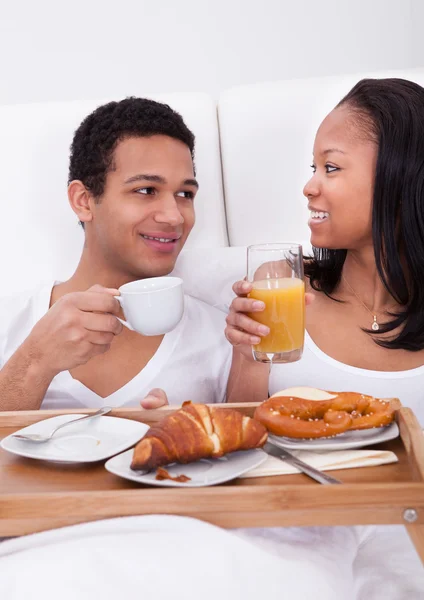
x,y
209,273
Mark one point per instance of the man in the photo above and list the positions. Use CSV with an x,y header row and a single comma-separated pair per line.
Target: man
x,y
132,185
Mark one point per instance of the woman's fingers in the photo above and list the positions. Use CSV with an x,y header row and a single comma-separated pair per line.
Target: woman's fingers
x,y
247,305
242,288
241,328
240,338
309,298
244,323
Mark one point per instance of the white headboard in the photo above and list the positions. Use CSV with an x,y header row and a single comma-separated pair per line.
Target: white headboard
x,y
267,133
39,234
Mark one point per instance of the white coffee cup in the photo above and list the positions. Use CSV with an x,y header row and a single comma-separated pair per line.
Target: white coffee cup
x,y
152,306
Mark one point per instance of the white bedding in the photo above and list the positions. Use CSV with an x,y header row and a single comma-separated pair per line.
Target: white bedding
x,y
376,562
167,557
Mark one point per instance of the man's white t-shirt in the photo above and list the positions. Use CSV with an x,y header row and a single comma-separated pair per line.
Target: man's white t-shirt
x,y
191,363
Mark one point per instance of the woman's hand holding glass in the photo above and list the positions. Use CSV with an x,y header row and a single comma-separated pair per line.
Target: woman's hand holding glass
x,y
242,331
269,313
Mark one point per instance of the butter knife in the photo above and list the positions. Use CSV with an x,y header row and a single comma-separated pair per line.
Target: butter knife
x,y
286,456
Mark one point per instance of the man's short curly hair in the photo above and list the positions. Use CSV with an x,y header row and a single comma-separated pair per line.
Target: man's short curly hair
x,y
98,135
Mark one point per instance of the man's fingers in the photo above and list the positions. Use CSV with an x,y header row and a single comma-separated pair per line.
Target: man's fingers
x,y
101,322
97,302
154,399
100,338
100,289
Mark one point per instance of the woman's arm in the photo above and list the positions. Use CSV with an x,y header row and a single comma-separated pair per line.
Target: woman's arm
x,y
248,379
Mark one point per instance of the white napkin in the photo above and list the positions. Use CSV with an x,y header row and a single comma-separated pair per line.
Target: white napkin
x,y
324,461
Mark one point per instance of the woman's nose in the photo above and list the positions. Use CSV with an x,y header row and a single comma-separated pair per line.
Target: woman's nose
x,y
311,189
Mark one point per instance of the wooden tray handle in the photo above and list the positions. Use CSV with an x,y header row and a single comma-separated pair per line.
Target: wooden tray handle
x,y
413,440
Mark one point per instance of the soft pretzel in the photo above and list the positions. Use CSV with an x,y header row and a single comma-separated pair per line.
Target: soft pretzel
x,y
301,418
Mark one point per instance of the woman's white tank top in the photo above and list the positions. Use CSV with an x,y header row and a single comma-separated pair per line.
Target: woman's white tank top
x,y
317,369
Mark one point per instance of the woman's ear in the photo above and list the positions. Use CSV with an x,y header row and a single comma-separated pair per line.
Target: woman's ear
x,y
80,200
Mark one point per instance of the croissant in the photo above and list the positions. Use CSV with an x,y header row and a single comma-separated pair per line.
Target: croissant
x,y
197,431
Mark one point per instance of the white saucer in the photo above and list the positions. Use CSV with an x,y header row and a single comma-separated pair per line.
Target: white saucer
x,y
202,472
343,441
83,442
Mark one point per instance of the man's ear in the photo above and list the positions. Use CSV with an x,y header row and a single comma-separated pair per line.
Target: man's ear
x,y
81,201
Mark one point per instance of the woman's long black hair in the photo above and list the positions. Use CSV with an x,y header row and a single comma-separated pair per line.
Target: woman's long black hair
x,y
392,112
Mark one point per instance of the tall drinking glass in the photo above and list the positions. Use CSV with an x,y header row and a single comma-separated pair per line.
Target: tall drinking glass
x,y
276,273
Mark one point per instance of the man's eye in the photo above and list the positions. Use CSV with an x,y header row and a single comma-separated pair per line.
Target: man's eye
x,y
313,167
331,169
185,194
146,190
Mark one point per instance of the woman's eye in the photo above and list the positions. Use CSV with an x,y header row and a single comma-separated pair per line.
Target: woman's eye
x,y
148,191
328,168
185,194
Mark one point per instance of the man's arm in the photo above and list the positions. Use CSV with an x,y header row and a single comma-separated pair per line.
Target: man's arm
x,y
248,379
23,382
78,327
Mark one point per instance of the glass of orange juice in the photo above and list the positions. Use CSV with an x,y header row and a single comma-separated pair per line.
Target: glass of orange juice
x,y
276,273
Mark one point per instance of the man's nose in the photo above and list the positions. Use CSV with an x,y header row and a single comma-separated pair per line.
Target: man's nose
x,y
169,212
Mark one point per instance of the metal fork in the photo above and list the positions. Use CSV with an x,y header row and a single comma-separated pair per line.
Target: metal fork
x,y
35,437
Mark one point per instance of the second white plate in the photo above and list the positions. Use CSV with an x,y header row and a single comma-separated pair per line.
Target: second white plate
x,y
202,472
82,442
343,441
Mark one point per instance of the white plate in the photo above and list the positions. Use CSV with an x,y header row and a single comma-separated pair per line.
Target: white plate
x,y
84,442
202,472
343,441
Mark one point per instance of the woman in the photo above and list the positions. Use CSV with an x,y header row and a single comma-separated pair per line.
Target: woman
x,y
365,328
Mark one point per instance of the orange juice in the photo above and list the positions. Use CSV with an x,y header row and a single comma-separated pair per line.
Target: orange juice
x,y
284,313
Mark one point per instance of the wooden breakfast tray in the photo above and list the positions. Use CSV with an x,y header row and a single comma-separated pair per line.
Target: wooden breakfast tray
x,y
36,495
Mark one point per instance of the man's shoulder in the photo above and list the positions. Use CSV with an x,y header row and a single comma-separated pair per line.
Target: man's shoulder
x,y
14,305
